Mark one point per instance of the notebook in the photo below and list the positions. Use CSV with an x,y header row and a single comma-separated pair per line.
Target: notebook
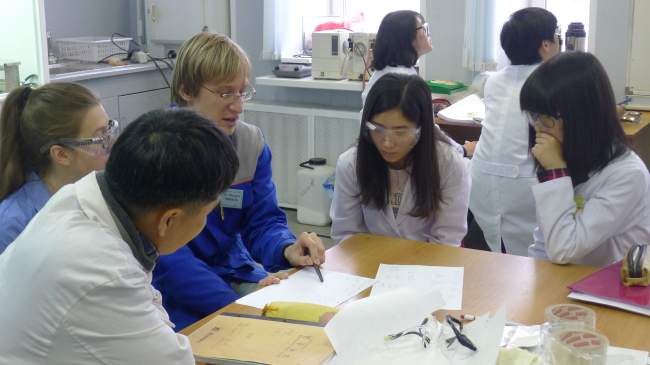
x,y
605,287
231,338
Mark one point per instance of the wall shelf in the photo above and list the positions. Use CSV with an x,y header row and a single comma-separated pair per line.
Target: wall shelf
x,y
309,83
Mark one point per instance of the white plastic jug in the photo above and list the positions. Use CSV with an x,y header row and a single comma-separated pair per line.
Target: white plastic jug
x,y
313,200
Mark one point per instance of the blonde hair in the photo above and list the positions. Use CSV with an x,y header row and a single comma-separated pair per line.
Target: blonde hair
x,y
207,56
32,117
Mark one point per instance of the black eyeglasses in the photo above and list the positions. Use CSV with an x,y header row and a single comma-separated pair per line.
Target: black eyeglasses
x,y
424,27
462,339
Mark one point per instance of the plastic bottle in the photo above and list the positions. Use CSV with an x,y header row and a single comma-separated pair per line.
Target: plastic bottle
x,y
313,201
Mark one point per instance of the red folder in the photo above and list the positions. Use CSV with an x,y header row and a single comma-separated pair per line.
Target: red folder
x,y
606,283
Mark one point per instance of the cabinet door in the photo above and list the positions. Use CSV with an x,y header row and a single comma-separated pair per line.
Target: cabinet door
x,y
134,105
112,107
173,21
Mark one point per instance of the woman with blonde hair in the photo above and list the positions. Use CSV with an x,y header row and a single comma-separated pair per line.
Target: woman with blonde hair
x,y
49,137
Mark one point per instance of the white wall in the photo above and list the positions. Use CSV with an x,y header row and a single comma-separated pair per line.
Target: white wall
x,y
83,18
609,35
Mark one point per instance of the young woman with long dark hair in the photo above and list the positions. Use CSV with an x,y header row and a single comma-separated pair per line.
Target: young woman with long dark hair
x,y
592,202
402,179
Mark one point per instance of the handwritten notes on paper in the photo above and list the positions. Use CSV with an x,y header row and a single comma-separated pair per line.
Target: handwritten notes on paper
x,y
423,279
305,287
259,340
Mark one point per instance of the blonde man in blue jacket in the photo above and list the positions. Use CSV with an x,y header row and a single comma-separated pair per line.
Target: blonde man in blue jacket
x,y
212,77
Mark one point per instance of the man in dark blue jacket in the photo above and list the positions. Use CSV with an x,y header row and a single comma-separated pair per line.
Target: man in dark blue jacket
x,y
217,267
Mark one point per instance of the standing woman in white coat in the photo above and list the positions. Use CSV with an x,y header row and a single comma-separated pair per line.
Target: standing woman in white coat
x,y
402,38
402,179
593,200
502,169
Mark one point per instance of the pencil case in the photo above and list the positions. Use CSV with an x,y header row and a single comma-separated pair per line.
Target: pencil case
x,y
297,311
636,266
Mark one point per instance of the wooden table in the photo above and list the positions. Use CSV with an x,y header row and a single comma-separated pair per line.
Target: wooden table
x,y
526,285
460,132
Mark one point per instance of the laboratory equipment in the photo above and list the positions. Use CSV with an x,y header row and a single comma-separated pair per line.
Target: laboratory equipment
x,y
360,57
329,54
576,37
313,201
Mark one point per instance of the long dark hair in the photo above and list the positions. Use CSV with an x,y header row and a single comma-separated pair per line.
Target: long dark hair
x,y
574,86
411,95
394,43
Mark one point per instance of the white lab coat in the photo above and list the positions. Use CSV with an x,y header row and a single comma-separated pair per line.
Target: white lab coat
x,y
407,71
73,293
616,215
502,169
449,227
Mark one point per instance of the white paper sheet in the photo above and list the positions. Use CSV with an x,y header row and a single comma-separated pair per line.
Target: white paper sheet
x,y
640,357
357,331
423,279
470,110
305,287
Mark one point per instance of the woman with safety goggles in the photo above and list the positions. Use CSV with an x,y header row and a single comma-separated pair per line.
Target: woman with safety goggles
x,y
593,199
49,137
403,179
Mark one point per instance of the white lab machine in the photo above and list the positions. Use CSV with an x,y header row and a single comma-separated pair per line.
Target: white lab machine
x,y
362,43
329,54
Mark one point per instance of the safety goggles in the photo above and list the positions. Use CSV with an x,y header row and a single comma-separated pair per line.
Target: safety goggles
x,y
414,338
231,97
424,27
535,120
402,138
453,341
95,146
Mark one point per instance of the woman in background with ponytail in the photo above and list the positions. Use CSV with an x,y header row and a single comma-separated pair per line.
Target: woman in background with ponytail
x,y
49,137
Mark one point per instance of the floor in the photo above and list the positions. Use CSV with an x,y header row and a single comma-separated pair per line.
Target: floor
x,y
297,228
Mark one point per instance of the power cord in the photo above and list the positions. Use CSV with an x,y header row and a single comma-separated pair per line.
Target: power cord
x,y
130,53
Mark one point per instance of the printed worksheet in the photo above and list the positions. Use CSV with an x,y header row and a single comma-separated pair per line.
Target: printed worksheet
x,y
305,287
423,279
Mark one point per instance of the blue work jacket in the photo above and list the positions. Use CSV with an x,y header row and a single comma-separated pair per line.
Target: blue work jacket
x,y
195,280
18,209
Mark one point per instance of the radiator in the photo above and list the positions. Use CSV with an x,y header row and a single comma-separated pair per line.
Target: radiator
x,y
297,132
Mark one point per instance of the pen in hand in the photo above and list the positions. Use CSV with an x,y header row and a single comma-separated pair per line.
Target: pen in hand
x,y
320,276
624,101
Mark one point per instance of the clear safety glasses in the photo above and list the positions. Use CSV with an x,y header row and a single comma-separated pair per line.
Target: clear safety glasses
x,y
402,138
414,338
95,146
535,119
231,97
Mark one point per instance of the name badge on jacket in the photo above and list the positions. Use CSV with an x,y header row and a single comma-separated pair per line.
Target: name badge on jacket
x,y
232,198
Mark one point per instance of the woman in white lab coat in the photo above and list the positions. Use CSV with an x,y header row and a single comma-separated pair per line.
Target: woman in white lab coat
x,y
593,200
402,179
402,38
502,169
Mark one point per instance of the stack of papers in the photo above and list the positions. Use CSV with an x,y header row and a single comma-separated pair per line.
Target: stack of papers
x,y
469,110
305,287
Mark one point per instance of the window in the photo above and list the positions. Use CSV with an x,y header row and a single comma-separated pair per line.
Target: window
x,y
374,11
283,20
568,11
